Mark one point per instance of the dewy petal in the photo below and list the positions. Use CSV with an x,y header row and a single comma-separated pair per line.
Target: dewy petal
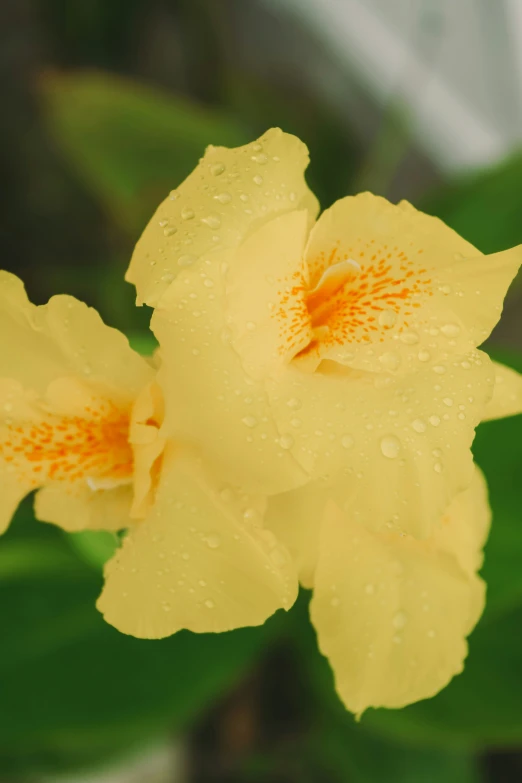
x,y
39,344
507,394
392,613
75,507
66,385
399,446
295,518
418,290
194,563
230,193
266,295
210,401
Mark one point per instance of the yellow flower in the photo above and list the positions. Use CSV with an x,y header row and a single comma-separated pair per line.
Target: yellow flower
x,y
334,367
391,612
80,418
343,351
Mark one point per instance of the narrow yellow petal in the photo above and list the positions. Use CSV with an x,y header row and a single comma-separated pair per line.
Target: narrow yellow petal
x,y
228,194
507,394
265,293
195,563
392,614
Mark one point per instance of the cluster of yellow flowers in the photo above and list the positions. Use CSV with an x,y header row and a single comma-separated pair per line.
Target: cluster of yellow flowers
x,y
306,419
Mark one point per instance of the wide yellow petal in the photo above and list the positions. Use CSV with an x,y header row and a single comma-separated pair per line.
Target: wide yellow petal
x,y
210,400
399,446
77,507
39,344
392,613
416,293
228,194
195,563
265,295
507,394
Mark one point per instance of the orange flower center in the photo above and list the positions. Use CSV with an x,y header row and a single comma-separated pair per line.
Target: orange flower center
x,y
353,301
93,447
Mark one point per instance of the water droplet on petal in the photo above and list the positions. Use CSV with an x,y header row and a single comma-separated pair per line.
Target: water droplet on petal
x,y
450,330
400,620
213,540
217,168
424,356
419,426
409,338
212,221
223,198
390,446
186,259
250,421
387,318
187,213
390,360
434,421
294,403
286,441
258,179
335,601
347,441
209,603
170,231
166,606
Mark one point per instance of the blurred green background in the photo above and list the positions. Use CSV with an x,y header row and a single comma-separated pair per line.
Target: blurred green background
x,y
106,106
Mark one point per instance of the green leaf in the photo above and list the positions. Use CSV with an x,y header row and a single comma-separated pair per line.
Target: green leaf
x,y
73,688
95,547
130,144
484,207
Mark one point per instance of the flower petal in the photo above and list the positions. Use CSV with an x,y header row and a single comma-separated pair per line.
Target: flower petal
x,y
295,518
73,507
39,344
266,295
392,613
398,446
231,192
507,394
421,291
194,563
210,401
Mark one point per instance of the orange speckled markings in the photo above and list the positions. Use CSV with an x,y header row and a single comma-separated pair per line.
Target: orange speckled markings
x,y
70,448
348,294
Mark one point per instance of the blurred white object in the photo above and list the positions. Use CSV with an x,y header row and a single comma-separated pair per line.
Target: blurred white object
x,y
456,66
159,765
